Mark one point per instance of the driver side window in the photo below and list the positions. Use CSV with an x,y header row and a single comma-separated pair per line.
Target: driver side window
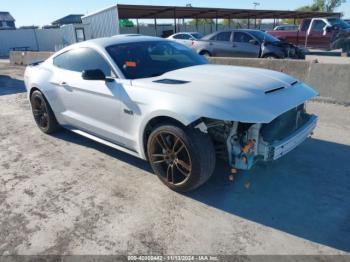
x,y
81,59
222,36
318,26
242,37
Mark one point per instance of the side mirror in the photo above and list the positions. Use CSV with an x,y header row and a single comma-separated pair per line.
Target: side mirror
x,y
93,74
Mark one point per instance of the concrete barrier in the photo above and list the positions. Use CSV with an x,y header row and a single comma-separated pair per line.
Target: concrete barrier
x,y
332,81
27,57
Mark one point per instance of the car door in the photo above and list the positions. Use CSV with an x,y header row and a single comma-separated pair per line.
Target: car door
x,y
221,44
182,39
92,106
245,45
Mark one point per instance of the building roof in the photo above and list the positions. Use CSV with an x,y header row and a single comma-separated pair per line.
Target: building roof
x,y
69,19
6,16
168,12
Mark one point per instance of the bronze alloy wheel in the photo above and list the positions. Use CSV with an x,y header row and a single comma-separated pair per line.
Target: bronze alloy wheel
x,y
40,112
169,154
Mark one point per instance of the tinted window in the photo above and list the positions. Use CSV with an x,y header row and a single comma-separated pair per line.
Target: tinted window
x,y
223,36
179,36
197,35
186,36
242,37
262,36
81,59
61,60
152,58
318,26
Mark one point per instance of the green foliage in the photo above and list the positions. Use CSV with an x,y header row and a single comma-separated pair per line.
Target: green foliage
x,y
126,23
318,6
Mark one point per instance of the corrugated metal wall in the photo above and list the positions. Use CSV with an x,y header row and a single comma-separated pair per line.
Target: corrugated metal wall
x,y
104,23
33,39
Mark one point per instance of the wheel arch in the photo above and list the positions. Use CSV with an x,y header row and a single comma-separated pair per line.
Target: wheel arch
x,y
156,120
32,89
204,51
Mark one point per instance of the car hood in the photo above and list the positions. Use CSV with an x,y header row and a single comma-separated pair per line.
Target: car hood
x,y
232,93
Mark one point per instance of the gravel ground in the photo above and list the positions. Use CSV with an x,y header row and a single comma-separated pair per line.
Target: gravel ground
x,y
65,194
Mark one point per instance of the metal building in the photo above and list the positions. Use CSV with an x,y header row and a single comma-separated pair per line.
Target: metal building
x,y
103,23
6,21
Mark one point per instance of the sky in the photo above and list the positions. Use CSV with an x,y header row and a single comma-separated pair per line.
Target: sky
x,y
43,12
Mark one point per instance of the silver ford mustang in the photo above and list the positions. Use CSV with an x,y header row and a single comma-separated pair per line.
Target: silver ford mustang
x,y
160,101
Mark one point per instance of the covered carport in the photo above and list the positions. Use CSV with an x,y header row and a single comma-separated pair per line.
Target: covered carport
x,y
178,12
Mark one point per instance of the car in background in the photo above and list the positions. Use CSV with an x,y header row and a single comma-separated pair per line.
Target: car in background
x,y
186,38
286,27
315,33
245,43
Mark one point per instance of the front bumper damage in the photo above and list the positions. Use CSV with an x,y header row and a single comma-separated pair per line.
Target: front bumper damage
x,y
276,150
244,152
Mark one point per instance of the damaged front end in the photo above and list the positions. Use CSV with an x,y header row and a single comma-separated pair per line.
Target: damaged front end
x,y
243,144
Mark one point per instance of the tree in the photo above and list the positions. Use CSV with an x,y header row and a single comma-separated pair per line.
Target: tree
x,y
318,6
327,5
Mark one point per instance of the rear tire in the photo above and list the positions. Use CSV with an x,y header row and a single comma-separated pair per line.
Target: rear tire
x,y
43,114
182,158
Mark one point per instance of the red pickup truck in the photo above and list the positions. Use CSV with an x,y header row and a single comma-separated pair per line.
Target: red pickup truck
x,y
313,33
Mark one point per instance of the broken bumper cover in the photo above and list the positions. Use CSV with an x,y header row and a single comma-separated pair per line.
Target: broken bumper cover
x,y
280,148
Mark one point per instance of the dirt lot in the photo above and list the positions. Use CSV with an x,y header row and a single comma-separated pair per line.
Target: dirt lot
x,y
65,194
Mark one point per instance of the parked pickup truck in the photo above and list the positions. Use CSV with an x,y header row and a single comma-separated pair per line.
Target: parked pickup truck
x,y
314,33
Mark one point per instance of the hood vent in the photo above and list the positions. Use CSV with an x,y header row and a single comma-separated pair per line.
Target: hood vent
x,y
274,90
171,81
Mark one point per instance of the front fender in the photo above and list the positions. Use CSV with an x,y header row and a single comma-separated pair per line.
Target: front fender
x,y
183,119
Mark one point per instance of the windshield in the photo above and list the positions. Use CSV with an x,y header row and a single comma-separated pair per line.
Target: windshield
x,y
338,22
197,35
152,58
264,36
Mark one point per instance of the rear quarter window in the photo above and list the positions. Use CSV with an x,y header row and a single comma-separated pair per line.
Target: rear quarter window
x,y
81,59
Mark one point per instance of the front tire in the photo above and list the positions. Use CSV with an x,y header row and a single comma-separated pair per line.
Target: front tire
x,y
43,114
182,158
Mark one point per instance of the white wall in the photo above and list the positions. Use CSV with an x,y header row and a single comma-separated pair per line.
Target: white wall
x,y
33,39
